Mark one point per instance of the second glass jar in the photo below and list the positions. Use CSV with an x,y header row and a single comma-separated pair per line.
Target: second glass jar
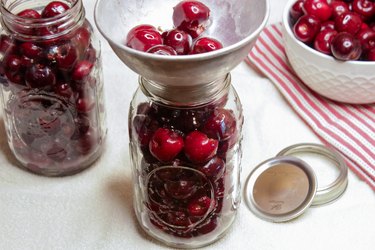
x,y
51,86
185,152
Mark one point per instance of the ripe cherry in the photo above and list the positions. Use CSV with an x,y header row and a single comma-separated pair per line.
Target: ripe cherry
x,y
367,39
163,50
318,8
166,144
364,8
370,56
199,148
214,169
199,206
296,10
40,75
144,39
220,125
54,8
338,7
29,13
31,50
323,40
191,16
81,70
179,40
345,46
327,25
306,28
205,44
348,22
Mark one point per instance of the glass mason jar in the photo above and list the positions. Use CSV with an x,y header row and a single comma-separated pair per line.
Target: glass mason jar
x,y
185,145
51,87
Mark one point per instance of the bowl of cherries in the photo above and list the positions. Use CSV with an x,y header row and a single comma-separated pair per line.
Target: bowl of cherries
x,y
330,45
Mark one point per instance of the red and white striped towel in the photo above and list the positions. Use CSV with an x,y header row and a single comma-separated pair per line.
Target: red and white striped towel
x,y
348,128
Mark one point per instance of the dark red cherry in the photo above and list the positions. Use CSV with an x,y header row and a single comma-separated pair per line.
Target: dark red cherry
x,y
180,189
85,104
199,206
364,8
208,226
348,22
81,70
214,169
179,40
163,50
367,39
14,69
296,10
54,8
318,8
64,55
144,39
338,7
40,75
166,144
81,39
323,40
199,148
345,47
31,50
64,90
7,45
29,13
220,125
191,17
205,44
306,28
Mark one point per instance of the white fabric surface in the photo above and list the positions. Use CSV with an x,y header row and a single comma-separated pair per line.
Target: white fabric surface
x,y
93,209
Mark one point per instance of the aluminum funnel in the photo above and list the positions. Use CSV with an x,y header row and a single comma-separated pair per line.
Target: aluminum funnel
x,y
236,23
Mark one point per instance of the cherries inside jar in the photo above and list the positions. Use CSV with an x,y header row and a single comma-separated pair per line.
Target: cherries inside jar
x,y
52,86
342,29
186,162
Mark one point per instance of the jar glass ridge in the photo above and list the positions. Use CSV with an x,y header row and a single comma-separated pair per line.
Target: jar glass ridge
x,y
183,201
51,88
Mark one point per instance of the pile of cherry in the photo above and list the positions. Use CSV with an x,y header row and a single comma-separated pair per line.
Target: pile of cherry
x,y
186,155
344,29
51,93
190,19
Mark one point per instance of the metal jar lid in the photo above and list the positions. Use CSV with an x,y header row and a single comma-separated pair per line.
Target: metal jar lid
x,y
282,188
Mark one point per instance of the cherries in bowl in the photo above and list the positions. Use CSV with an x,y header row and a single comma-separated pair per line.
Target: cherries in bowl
x,y
348,76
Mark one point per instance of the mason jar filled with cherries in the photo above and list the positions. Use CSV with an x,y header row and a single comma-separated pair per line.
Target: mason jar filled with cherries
x,y
51,85
185,153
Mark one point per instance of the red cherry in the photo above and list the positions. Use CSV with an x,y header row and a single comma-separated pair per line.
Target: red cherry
x,y
85,104
205,44
81,70
220,125
296,10
181,189
29,13
64,90
348,22
65,55
345,46
7,45
214,169
338,7
367,39
31,50
199,206
208,226
323,40
364,8
163,50
199,148
306,28
179,40
40,75
318,8
14,69
144,39
166,144
191,17
54,8
137,28
81,39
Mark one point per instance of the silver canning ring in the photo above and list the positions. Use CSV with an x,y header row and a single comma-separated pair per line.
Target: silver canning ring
x,y
335,189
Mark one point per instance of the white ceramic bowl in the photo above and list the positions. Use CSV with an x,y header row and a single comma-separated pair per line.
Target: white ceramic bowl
x,y
349,81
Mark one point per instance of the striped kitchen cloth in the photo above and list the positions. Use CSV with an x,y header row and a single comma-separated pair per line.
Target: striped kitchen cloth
x,y
348,128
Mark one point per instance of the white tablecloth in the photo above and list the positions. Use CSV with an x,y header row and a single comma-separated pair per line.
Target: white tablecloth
x,y
93,209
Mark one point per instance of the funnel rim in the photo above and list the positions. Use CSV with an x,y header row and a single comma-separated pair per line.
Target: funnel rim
x,y
195,57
